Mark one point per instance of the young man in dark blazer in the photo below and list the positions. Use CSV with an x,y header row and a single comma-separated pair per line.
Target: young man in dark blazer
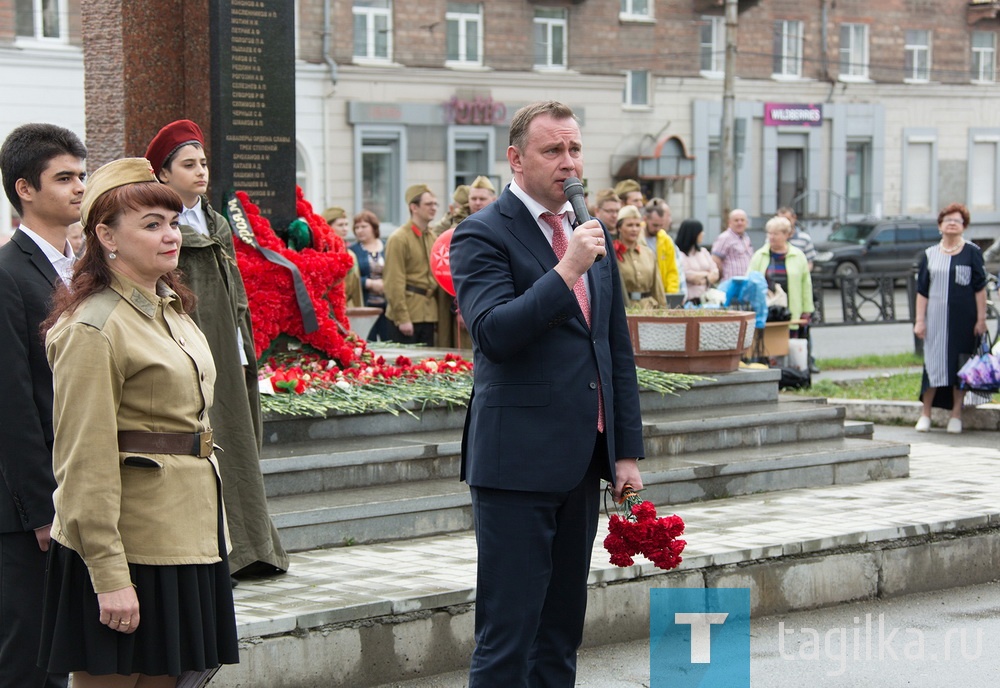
x,y
555,405
43,171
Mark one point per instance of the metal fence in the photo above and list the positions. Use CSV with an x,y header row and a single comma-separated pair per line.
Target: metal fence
x,y
868,299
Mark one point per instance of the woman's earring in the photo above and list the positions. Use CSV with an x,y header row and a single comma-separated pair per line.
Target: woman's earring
x,y
112,255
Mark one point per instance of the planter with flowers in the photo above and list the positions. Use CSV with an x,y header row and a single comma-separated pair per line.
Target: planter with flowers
x,y
690,340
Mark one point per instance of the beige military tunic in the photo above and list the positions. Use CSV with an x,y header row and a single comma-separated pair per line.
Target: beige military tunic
x,y
410,288
642,285
128,359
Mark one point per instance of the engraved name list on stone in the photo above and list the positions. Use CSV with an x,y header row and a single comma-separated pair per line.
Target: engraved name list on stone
x,y
256,115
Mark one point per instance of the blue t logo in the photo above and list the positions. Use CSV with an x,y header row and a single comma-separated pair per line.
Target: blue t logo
x,y
699,638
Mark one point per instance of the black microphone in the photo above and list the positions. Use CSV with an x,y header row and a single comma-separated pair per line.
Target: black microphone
x,y
573,188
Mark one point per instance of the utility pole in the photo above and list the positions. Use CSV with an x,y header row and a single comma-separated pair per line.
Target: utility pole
x,y
726,197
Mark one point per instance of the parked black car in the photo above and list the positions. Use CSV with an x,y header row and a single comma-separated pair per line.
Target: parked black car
x,y
873,246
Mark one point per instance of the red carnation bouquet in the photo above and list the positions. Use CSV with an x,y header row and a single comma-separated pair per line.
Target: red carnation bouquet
x,y
305,373
639,531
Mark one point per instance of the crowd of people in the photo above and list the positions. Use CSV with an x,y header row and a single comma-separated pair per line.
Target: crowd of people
x,y
395,276
132,498
132,492
658,269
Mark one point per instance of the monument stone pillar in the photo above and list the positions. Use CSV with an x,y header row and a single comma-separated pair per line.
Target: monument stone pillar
x,y
228,65
146,63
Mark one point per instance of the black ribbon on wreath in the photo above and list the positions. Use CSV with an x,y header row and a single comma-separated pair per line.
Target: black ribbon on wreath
x,y
242,230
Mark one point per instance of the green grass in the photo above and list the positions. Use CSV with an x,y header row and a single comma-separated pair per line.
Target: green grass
x,y
903,387
872,361
900,387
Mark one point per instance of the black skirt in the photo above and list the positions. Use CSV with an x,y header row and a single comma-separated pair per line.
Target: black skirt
x,y
187,621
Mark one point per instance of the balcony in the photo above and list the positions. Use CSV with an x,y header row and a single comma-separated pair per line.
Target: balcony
x,y
712,5
979,10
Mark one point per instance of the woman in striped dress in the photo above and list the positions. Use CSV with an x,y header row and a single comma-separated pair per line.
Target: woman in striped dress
x,y
951,313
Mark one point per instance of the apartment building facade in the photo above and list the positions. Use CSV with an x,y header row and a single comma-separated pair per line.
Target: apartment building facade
x,y
844,109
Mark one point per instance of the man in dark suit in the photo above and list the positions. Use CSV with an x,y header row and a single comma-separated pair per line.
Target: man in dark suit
x,y
43,171
555,405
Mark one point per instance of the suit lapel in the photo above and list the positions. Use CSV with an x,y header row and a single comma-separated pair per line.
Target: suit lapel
x,y
36,256
525,229
597,300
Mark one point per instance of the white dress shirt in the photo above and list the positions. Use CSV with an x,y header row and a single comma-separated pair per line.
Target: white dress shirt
x,y
195,218
537,209
62,262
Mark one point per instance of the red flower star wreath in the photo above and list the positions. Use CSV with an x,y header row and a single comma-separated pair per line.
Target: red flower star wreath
x,y
271,294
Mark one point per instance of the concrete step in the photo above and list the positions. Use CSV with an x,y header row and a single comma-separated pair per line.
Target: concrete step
x,y
719,474
858,428
723,426
430,507
853,426
372,615
721,389
371,514
328,464
318,466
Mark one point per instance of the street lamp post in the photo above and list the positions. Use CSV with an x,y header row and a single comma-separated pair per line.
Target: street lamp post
x,y
728,112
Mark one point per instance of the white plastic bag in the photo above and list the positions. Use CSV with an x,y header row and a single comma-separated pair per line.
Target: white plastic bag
x,y
798,354
777,297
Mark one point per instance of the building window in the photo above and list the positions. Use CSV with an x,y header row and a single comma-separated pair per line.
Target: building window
x,y
853,51
636,88
373,30
984,57
464,33
919,172
713,46
788,48
917,62
44,20
550,39
632,10
857,186
470,153
984,163
380,161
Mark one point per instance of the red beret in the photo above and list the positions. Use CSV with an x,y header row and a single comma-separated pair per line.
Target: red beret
x,y
171,137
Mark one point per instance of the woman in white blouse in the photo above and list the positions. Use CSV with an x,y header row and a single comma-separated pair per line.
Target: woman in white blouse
x,y
700,270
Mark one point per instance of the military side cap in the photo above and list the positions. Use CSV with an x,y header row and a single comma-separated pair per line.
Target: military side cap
x,y
413,193
111,176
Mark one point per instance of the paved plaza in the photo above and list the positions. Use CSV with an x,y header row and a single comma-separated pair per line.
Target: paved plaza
x,y
382,604
952,489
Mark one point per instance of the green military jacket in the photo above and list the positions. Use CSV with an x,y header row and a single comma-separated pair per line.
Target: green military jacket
x,y
209,269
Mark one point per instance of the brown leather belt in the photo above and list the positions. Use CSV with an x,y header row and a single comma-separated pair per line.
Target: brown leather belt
x,y
419,290
188,443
